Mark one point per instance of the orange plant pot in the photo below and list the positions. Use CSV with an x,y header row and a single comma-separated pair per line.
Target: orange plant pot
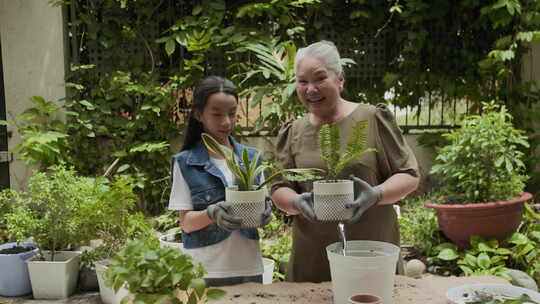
x,y
488,220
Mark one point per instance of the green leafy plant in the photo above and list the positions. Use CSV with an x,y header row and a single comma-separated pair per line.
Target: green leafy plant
x,y
524,244
246,170
276,244
483,162
44,135
418,225
54,211
7,197
485,257
330,145
158,275
111,219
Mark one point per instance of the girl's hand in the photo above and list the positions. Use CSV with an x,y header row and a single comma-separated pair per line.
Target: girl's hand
x,y
219,214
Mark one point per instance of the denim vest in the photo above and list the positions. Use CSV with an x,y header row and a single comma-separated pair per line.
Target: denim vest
x,y
207,186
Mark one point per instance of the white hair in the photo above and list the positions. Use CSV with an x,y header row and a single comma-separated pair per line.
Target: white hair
x,y
324,50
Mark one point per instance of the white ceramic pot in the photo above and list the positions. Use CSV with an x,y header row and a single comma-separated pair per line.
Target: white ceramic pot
x,y
54,279
107,294
248,205
330,197
14,279
171,240
268,273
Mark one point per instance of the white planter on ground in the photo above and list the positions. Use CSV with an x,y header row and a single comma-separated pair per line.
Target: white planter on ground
x,y
330,197
248,205
173,240
268,273
54,279
107,294
14,280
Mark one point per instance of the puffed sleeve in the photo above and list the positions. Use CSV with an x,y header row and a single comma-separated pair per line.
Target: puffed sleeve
x,y
284,155
394,154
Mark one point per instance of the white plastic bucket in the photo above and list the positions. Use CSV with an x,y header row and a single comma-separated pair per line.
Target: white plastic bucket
x,y
369,267
268,273
171,240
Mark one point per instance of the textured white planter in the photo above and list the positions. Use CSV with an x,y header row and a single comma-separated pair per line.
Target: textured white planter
x,y
107,294
248,205
171,240
330,197
57,279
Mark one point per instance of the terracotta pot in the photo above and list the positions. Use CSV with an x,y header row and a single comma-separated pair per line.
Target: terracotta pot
x,y
364,299
487,220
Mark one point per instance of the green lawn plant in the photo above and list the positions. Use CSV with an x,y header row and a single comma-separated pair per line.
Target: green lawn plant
x,y
330,145
246,170
483,161
7,196
155,274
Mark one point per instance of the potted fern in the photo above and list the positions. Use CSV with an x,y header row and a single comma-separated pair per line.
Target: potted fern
x,y
331,194
248,197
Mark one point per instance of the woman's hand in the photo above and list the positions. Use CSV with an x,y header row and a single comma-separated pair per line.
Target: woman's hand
x,y
366,196
304,203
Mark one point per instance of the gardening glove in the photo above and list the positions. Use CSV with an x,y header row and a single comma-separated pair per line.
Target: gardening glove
x,y
365,197
219,214
304,203
267,214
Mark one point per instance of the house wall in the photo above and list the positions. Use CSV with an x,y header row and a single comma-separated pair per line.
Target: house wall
x,y
531,72
33,63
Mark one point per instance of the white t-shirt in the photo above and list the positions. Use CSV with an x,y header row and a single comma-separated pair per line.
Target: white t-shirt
x,y
233,257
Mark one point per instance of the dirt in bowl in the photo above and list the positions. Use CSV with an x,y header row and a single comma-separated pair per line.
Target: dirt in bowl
x,y
488,298
16,249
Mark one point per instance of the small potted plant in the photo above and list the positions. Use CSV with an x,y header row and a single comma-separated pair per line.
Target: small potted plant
x,y
248,197
112,224
14,279
50,212
331,194
155,274
482,171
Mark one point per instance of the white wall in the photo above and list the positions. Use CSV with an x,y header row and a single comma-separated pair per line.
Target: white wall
x,y
33,63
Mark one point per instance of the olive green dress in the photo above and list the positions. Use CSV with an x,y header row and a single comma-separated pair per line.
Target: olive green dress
x,y
297,147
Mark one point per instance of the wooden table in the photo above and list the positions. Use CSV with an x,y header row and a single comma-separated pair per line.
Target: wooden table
x,y
428,289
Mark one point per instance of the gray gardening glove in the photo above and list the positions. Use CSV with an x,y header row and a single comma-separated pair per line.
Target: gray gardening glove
x,y
267,214
219,214
304,203
365,197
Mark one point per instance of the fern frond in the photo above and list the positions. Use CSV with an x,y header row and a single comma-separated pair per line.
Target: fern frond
x,y
324,143
335,144
358,137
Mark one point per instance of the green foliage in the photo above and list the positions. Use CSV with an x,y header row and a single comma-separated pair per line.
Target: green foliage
x,y
113,115
156,275
330,145
276,243
56,210
483,162
44,135
7,197
274,64
246,170
524,244
111,220
418,225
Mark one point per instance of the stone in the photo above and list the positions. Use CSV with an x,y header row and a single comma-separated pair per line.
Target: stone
x,y
415,268
521,279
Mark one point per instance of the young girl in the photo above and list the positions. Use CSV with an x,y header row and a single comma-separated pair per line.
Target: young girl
x,y
211,235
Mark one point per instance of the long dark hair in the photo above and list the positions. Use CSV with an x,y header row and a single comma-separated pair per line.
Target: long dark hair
x,y
208,86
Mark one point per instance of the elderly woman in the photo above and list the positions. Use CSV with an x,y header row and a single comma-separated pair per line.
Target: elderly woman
x,y
381,178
